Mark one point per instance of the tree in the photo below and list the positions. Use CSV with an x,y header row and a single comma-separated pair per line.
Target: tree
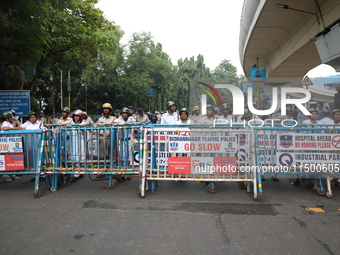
x,y
146,67
225,71
81,41
23,38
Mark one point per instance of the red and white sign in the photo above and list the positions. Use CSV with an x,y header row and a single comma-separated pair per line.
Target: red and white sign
x,y
306,82
12,162
203,144
180,165
319,142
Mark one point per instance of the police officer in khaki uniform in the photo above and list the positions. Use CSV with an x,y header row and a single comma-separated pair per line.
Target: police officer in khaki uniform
x,y
141,117
196,114
41,118
15,123
106,118
65,119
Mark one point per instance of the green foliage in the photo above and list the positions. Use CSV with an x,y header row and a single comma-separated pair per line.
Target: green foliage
x,y
73,35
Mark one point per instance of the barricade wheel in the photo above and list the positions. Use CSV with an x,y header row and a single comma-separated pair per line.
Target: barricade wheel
x,y
260,196
329,195
210,189
36,195
110,185
321,192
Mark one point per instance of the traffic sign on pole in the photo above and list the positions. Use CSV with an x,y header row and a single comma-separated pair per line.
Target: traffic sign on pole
x,y
306,82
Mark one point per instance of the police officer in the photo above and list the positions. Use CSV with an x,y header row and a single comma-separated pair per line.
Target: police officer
x,y
141,117
15,123
184,116
171,116
247,116
125,117
326,118
106,118
65,119
132,111
209,117
41,118
195,115
336,116
87,119
116,113
7,121
32,122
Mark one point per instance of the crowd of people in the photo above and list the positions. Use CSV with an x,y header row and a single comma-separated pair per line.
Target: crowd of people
x,y
171,116
319,115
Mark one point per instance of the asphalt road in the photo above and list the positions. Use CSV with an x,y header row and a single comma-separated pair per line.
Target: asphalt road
x,y
180,218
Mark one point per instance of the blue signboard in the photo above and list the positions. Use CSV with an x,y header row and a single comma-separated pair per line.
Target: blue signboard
x,y
149,93
17,100
263,95
245,87
258,74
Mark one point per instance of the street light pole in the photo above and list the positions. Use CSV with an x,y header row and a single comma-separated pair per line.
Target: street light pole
x,y
61,87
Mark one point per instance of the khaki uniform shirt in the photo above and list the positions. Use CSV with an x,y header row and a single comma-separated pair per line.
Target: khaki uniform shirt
x,y
106,120
142,118
16,123
68,120
196,118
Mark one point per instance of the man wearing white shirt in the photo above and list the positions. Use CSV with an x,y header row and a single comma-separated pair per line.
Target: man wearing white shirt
x,y
209,118
171,116
326,118
32,122
125,117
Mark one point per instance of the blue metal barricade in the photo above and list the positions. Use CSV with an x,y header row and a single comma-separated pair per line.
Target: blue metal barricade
x,y
97,149
20,154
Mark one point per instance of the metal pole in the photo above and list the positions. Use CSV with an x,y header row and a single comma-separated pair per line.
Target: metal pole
x,y
69,88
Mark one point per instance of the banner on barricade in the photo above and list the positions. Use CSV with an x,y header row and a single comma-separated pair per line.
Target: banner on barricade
x,y
179,165
11,145
12,162
308,159
202,165
266,138
308,141
203,144
267,156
